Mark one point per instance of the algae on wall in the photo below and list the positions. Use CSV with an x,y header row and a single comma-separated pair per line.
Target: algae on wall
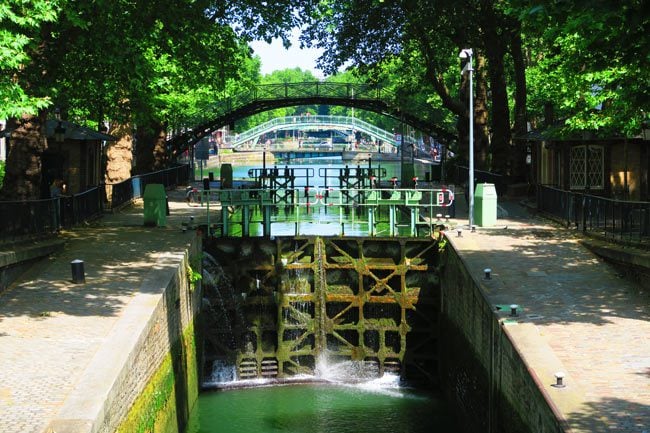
x,y
170,394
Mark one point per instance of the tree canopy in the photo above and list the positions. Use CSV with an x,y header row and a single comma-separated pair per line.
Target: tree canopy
x,y
158,64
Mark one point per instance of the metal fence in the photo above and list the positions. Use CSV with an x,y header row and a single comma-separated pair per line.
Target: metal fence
x,y
614,219
24,218
33,218
461,176
132,188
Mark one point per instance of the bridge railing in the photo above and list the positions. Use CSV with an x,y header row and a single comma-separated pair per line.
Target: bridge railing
x,y
401,212
297,122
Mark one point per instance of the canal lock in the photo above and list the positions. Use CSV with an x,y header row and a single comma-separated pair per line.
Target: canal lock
x,y
275,307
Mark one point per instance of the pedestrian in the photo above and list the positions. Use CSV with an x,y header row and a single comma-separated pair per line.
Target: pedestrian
x,y
56,188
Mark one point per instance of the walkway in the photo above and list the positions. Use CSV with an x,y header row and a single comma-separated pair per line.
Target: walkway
x,y
51,329
595,323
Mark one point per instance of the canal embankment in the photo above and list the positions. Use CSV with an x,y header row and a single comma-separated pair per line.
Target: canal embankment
x,y
115,353
573,356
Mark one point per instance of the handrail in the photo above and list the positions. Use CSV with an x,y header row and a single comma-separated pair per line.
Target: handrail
x,y
42,217
610,218
298,122
368,205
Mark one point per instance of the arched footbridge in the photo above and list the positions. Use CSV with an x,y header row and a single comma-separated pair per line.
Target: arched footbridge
x,y
271,96
345,123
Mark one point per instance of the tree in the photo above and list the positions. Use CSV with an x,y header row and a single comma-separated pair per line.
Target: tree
x,y
143,63
24,37
589,60
427,39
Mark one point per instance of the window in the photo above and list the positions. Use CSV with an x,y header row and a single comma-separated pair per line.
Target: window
x,y
586,167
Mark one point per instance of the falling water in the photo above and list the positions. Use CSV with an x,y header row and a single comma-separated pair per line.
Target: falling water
x,y
221,295
222,372
352,372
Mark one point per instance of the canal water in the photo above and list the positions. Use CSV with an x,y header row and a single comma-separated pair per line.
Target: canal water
x,y
321,408
319,168
332,406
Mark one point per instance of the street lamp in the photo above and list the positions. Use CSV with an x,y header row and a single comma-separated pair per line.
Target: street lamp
x,y
466,54
59,131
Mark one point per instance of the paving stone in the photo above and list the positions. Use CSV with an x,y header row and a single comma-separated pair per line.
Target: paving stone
x,y
597,324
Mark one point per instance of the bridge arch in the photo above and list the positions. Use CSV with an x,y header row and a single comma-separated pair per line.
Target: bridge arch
x,y
267,97
302,122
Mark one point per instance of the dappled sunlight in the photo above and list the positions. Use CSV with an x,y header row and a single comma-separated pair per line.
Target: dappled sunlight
x,y
613,414
593,319
119,254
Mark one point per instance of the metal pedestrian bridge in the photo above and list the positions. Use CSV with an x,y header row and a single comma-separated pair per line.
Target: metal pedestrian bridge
x,y
191,128
313,122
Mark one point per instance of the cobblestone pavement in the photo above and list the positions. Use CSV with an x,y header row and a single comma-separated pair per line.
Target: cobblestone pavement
x,y
596,322
50,329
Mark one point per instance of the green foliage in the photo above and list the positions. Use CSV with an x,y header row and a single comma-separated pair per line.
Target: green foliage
x,y
442,244
2,172
193,276
20,36
590,63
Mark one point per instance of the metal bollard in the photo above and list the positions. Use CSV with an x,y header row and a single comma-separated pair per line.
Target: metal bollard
x,y
78,274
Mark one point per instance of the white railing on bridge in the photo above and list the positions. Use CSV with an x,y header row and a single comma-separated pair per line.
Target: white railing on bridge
x,y
305,122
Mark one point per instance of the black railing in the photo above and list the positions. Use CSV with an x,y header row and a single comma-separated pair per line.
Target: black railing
x,y
22,219
25,218
34,218
132,188
500,182
614,219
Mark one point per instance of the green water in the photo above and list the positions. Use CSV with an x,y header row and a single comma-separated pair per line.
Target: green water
x,y
320,409
388,170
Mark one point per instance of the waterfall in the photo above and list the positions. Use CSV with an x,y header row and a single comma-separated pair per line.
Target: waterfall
x,y
222,372
221,303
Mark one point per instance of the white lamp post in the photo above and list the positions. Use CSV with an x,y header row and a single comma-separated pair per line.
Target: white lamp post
x,y
467,54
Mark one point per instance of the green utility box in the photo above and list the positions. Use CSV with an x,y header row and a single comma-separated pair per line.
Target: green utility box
x,y
485,205
155,205
226,176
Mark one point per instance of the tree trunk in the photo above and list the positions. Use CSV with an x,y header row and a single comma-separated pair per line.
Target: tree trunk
x,y
481,115
500,118
143,149
160,155
27,143
521,115
151,148
119,156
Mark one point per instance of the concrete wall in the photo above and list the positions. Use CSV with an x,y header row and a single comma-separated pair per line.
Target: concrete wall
x,y
482,373
144,378
18,258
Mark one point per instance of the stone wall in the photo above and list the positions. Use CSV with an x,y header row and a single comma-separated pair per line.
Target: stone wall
x,y
482,372
144,378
